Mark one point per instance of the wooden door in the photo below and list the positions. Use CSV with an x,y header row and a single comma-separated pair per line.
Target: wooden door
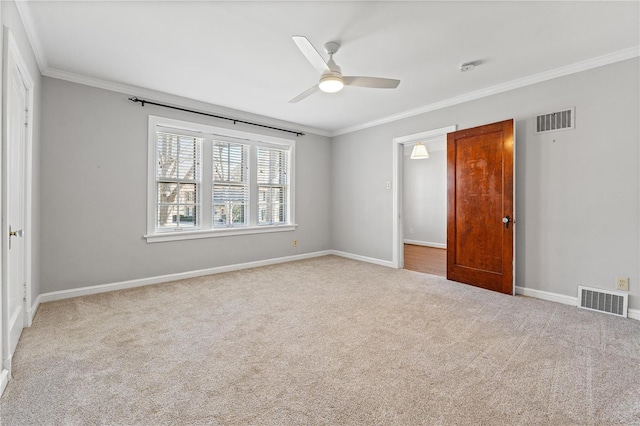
x,y
480,206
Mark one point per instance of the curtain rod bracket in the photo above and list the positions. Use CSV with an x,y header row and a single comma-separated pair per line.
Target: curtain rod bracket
x,y
235,120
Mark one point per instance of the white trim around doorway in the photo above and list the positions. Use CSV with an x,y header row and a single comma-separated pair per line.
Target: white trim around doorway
x,y
398,146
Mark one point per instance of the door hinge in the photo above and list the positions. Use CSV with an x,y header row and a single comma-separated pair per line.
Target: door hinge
x,y
26,117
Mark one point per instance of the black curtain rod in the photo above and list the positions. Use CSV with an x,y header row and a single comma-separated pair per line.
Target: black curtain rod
x,y
235,120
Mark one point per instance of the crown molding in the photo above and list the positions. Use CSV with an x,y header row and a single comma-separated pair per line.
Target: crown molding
x,y
32,34
176,100
25,15
621,55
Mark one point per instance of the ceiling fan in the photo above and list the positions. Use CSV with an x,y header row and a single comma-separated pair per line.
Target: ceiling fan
x,y
331,78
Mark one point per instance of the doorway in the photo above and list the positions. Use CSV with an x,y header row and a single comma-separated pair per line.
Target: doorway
x,y
436,141
480,204
425,206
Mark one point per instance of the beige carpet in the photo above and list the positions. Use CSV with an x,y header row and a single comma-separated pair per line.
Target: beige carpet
x,y
322,341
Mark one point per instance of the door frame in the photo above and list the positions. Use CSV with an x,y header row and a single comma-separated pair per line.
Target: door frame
x,y
398,157
11,56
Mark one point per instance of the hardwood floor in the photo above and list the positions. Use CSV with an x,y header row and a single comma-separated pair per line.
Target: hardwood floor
x,y
427,260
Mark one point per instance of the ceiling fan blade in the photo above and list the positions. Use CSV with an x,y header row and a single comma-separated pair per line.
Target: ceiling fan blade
x,y
311,54
301,96
373,82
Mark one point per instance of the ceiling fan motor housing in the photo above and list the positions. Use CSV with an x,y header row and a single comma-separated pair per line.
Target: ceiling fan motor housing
x,y
331,81
331,47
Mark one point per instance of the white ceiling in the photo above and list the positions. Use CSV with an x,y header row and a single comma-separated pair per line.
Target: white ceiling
x,y
240,54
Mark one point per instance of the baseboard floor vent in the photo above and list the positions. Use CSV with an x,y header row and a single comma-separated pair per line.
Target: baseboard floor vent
x,y
609,302
554,121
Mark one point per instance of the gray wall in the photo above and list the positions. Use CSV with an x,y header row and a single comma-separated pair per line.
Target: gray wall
x,y
425,198
94,177
11,19
577,191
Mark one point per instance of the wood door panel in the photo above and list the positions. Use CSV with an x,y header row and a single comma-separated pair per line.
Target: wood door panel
x,y
480,194
478,199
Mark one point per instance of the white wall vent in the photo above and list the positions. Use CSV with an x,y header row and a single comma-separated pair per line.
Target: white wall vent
x,y
554,121
609,302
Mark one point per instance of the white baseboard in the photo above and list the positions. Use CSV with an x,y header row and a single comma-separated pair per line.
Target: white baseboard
x,y
426,244
363,258
31,312
84,291
546,295
565,300
4,379
103,288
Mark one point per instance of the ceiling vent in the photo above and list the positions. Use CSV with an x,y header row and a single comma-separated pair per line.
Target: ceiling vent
x,y
554,121
609,302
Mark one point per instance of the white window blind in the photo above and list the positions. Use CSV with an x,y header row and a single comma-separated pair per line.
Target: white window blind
x,y
273,184
230,184
177,180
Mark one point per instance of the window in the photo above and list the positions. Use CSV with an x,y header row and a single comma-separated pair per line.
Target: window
x,y
272,186
207,182
177,180
230,184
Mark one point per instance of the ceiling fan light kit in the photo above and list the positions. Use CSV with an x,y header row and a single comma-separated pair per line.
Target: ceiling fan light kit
x,y
330,83
331,78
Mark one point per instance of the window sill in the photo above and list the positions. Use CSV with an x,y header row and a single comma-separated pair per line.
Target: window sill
x,y
214,233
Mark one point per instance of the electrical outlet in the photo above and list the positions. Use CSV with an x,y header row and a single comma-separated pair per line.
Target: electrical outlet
x,y
622,283
388,184
411,230
295,243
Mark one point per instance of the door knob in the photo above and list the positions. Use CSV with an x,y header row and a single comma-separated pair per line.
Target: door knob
x,y
17,233
506,221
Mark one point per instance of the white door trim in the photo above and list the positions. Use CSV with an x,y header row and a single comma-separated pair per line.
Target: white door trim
x,y
12,57
398,238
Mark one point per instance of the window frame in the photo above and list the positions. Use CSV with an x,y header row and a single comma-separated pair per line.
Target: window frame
x,y
209,135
